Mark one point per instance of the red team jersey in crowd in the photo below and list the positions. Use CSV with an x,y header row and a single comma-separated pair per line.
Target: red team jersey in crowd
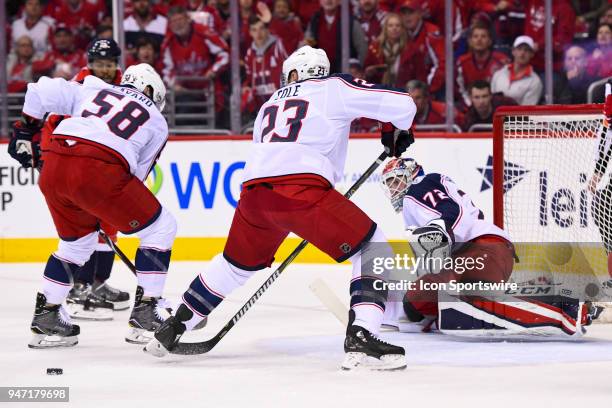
x,y
202,14
289,31
263,69
423,58
470,70
564,22
82,21
372,25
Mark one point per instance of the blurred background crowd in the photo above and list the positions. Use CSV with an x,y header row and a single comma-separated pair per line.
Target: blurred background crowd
x,y
498,50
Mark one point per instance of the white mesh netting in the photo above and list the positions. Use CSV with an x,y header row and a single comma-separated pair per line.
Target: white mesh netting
x,y
549,161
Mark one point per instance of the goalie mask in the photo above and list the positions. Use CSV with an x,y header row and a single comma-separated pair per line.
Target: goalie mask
x,y
308,62
397,177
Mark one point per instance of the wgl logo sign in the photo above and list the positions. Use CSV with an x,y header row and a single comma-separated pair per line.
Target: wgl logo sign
x,y
207,183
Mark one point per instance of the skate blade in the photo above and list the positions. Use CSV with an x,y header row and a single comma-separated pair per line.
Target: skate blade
x,y
138,336
98,314
361,361
42,341
155,348
124,305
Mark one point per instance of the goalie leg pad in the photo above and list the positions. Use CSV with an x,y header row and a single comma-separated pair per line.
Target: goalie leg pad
x,y
474,316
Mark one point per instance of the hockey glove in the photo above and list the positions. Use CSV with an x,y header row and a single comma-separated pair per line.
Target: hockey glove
x,y
24,145
433,244
396,141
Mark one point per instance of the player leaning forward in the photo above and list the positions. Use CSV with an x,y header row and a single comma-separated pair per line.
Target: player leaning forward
x,y
300,144
94,171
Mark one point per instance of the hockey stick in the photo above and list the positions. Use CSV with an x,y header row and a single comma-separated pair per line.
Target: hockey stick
x,y
206,346
118,252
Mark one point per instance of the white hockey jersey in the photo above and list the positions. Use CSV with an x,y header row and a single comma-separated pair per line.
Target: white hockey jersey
x,y
304,127
120,118
435,196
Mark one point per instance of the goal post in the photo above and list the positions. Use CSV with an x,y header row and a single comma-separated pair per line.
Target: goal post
x,y
543,159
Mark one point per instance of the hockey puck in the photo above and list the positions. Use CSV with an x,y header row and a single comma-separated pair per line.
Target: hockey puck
x,y
55,371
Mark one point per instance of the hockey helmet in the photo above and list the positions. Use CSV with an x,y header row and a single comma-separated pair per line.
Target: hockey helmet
x,y
103,49
143,75
308,62
398,175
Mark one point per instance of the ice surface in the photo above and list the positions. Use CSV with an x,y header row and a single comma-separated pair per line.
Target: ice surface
x,y
286,352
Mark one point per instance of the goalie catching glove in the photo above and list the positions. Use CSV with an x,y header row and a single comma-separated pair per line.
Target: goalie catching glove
x,y
24,145
432,243
396,141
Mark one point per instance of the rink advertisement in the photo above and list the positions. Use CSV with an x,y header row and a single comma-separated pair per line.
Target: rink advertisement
x,y
199,182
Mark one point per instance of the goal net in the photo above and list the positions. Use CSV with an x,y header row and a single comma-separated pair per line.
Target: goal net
x,y
544,158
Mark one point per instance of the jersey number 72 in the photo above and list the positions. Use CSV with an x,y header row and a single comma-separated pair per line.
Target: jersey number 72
x,y
294,123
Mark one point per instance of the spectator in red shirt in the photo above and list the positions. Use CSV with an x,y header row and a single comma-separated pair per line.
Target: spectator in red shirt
x,y
64,60
34,25
383,58
324,32
563,26
480,62
434,12
483,104
202,13
305,9
263,65
371,19
19,65
190,49
423,58
600,61
80,16
146,51
286,26
428,112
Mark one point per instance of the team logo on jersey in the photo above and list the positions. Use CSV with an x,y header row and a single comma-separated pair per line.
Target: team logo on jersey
x,y
513,173
155,180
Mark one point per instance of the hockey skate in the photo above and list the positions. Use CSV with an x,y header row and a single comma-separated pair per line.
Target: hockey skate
x,y
119,298
82,303
365,351
170,332
51,326
147,316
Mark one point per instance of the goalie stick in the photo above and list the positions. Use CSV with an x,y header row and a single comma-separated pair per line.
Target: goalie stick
x,y
207,345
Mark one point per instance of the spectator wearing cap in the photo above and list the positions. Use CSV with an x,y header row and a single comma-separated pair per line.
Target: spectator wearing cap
x,y
599,64
480,62
371,17
518,80
563,26
263,65
571,86
33,25
64,60
423,57
19,65
324,31
146,51
428,112
383,58
483,104
80,16
144,22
